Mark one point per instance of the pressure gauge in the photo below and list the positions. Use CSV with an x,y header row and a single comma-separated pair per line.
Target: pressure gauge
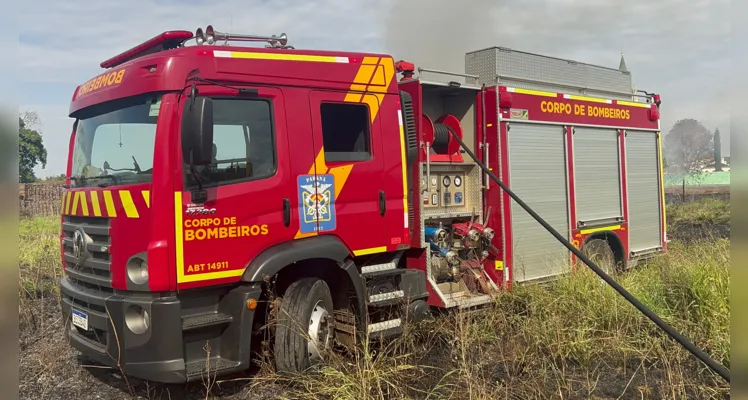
x,y
446,181
458,181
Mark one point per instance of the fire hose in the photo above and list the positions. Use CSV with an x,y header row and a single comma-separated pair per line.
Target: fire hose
x,y
675,335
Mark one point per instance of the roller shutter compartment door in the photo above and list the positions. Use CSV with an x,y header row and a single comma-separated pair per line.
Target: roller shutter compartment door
x,y
642,178
537,174
597,176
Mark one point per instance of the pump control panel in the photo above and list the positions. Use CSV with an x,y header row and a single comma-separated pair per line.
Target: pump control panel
x,y
449,188
444,190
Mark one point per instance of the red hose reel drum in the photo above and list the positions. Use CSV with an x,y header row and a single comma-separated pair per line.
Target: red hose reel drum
x,y
438,136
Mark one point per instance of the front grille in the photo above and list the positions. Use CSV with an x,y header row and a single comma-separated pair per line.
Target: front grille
x,y
94,271
91,277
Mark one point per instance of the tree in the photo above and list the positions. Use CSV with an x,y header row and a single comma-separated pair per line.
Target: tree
x,y
717,151
31,151
688,146
54,178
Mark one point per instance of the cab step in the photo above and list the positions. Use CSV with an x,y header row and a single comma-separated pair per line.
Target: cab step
x,y
386,299
212,366
377,270
385,329
386,264
198,321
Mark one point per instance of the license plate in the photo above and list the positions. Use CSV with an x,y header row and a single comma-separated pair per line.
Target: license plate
x,y
80,320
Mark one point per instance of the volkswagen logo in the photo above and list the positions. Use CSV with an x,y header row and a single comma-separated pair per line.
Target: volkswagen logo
x,y
79,246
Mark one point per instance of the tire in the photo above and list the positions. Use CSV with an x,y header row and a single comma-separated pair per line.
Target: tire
x,y
599,251
306,309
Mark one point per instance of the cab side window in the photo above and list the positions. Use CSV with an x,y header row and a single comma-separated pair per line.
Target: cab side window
x,y
346,131
243,144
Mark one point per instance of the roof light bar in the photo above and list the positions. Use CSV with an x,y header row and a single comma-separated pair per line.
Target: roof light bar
x,y
165,41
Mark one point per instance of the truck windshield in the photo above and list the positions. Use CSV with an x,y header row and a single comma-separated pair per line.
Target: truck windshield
x,y
114,143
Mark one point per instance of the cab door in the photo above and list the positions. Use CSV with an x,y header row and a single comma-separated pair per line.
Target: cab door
x,y
250,203
349,172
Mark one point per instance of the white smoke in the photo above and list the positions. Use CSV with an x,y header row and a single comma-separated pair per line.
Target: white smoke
x,y
436,34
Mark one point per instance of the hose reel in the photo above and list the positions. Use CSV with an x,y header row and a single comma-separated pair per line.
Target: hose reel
x,y
437,133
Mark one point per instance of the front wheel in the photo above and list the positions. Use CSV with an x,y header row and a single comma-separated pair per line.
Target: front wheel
x,y
305,326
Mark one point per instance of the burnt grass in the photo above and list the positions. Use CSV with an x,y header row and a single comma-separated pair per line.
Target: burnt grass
x,y
698,221
572,339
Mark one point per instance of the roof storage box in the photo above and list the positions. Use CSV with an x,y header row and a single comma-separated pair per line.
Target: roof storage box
x,y
507,67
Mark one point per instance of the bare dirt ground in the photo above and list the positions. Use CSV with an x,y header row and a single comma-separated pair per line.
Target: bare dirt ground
x,y
571,340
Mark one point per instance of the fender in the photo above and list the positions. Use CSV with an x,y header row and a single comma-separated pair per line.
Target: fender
x,y
275,258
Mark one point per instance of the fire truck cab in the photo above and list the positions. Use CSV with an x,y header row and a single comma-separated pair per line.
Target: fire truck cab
x,y
213,190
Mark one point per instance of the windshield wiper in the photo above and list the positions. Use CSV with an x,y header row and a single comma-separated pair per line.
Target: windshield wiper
x,y
108,167
135,162
102,184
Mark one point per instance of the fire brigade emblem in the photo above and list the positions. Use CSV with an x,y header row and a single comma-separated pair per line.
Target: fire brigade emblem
x,y
317,203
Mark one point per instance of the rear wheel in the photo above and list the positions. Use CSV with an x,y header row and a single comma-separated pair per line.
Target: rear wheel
x,y
305,326
599,251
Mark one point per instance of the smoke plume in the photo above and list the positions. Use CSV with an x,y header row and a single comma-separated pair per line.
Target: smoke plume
x,y
436,34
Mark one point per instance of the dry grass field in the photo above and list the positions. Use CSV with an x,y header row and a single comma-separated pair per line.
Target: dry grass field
x,y
572,339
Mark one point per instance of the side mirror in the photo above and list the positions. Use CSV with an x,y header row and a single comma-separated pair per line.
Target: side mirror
x,y
197,132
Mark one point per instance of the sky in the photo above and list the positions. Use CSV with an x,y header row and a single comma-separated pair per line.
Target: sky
x,y
678,48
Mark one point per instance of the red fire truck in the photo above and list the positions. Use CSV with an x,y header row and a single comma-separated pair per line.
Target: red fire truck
x,y
213,189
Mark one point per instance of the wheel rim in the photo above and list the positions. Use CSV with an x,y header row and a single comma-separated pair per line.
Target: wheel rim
x,y
320,331
604,260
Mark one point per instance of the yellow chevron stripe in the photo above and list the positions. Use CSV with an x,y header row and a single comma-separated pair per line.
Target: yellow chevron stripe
x,y
109,202
76,199
95,204
127,204
84,203
67,202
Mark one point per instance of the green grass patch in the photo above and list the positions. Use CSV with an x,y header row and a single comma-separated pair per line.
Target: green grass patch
x,y
39,256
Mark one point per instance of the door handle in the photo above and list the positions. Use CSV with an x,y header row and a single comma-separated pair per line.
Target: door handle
x,y
286,213
382,203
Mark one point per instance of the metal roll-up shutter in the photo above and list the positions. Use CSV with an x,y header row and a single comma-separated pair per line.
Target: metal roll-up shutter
x,y
642,179
597,176
537,174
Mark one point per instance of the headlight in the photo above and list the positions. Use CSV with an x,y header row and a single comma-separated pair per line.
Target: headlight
x,y
137,271
137,319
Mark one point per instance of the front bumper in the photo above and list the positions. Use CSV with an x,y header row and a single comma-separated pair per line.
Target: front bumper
x,y
155,355
164,352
